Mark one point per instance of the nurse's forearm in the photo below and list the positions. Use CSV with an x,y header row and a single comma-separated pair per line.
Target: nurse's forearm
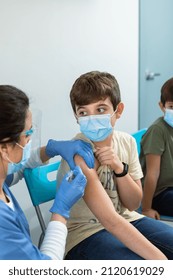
x,y
43,155
55,240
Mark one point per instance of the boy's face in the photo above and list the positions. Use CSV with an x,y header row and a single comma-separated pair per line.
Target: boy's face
x,y
99,108
168,105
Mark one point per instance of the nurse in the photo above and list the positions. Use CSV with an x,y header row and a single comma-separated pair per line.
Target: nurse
x,y
15,154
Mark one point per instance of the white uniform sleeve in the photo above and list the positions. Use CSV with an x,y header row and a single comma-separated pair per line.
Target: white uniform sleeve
x,y
33,162
55,240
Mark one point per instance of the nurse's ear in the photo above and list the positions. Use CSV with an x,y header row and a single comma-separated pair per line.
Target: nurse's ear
x,y
4,150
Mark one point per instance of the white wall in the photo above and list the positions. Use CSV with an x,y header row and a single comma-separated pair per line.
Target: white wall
x,y
46,44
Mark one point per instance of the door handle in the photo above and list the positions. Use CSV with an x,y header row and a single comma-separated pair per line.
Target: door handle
x,y
150,75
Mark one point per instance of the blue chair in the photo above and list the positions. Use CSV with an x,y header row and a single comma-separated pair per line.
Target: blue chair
x,y
41,189
138,137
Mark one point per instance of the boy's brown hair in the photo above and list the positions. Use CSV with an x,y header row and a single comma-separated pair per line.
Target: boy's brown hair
x,y
167,92
94,86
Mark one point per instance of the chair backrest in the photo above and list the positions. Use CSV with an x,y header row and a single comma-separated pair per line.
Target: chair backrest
x,y
40,187
138,136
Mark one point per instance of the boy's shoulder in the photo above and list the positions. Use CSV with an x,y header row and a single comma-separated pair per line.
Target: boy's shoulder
x,y
159,125
158,122
158,131
122,135
124,139
81,136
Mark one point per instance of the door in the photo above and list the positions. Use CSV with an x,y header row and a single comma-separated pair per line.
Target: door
x,y
155,55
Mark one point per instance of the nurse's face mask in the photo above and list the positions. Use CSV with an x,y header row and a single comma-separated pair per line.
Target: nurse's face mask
x,y
96,127
15,167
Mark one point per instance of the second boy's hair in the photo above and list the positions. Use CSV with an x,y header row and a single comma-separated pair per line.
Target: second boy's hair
x,y
167,92
94,86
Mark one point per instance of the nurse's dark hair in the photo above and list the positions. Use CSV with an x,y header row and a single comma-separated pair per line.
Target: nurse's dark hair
x,y
167,92
14,105
94,86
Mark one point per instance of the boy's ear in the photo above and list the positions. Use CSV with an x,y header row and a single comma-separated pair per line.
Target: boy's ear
x,y
162,107
75,117
120,109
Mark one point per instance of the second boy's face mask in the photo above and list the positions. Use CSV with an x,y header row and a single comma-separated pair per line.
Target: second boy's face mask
x,y
96,127
168,117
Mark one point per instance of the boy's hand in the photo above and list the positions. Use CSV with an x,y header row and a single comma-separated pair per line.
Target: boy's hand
x,y
151,213
107,156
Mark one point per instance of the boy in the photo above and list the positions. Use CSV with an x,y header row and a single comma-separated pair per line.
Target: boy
x,y
157,159
103,224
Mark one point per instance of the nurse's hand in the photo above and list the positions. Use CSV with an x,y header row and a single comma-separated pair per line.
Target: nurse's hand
x,y
68,149
70,191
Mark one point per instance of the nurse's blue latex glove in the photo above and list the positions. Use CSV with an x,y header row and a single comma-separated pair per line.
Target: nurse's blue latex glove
x,y
68,149
70,191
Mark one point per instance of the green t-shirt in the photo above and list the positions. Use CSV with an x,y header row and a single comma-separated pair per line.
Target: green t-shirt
x,y
158,140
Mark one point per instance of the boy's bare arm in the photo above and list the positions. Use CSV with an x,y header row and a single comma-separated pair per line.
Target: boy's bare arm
x,y
150,183
101,206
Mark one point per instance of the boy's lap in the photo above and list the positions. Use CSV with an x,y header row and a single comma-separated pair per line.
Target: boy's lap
x,y
101,246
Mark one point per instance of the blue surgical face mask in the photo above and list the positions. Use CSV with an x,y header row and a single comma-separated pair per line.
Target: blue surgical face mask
x,y
96,127
168,117
14,167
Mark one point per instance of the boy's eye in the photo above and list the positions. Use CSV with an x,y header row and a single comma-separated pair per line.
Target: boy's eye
x,y
170,107
101,110
82,113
